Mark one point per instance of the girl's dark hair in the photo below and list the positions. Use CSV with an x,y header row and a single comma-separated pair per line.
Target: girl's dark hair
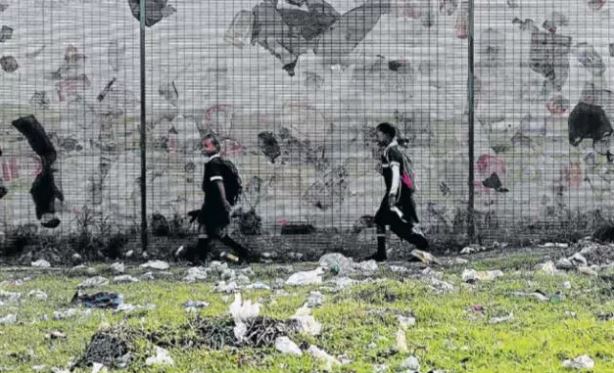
x,y
387,129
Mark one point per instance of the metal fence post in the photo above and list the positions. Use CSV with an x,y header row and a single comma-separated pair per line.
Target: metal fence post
x,y
471,122
143,129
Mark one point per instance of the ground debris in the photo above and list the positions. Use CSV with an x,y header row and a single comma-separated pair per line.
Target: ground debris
x,y
111,347
217,333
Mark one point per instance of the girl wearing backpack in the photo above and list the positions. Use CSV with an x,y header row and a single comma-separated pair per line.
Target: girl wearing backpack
x,y
398,209
222,186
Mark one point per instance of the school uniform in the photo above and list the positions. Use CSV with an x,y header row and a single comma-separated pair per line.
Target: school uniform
x,y
213,217
402,217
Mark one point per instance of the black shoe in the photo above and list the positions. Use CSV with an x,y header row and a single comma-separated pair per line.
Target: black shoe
x,y
53,223
377,257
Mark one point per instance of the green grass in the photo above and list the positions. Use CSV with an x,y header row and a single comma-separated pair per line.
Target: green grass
x,y
358,322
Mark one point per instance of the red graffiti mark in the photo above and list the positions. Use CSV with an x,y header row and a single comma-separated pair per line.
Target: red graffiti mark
x,y
171,145
596,4
557,105
572,174
408,9
6,171
487,164
282,221
10,169
72,86
218,118
14,168
231,147
461,26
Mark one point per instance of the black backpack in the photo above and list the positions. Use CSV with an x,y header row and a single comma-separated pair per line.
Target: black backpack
x,y
233,184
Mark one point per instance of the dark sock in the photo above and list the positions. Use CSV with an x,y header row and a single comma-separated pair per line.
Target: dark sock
x,y
380,255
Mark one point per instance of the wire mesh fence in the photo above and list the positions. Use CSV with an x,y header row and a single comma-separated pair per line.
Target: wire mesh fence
x,y
294,90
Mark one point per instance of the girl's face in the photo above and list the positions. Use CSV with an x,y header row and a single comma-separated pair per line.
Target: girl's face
x,y
209,148
382,138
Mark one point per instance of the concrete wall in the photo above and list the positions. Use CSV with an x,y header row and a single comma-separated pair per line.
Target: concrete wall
x,y
402,61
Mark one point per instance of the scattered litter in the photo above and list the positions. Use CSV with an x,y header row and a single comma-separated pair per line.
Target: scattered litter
x,y
585,270
130,308
55,334
578,259
243,310
439,285
162,357
401,341
411,363
471,275
338,264
380,368
367,267
7,296
228,274
340,283
217,266
76,258
124,279
548,268
306,322
156,264
118,268
399,269
424,256
242,280
148,276
223,287
78,268
459,261
196,274
406,321
567,285
8,319
38,295
502,319
315,299
428,271
555,244
247,271
99,300
324,357
99,368
257,286
93,282
306,277
605,316
581,362
471,249
41,263
70,313
286,346
564,264
194,306
537,295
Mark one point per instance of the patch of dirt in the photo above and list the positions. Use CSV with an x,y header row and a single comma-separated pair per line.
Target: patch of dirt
x,y
111,347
